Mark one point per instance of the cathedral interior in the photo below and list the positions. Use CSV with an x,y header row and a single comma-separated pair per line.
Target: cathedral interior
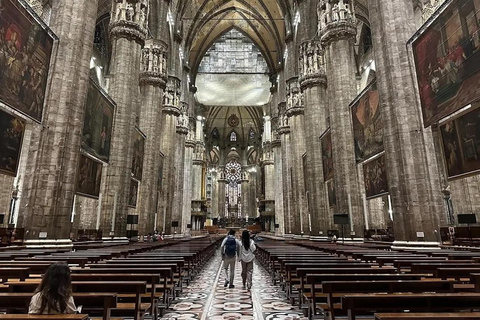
x,y
296,118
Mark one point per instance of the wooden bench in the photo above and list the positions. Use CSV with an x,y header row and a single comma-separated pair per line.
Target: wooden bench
x,y
457,273
428,316
421,302
14,273
27,316
132,290
335,289
315,281
102,302
165,274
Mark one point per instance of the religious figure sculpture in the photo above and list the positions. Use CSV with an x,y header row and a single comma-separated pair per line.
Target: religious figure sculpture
x,y
335,13
130,12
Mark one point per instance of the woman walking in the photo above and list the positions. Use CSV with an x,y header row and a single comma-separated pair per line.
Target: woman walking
x,y
246,256
54,294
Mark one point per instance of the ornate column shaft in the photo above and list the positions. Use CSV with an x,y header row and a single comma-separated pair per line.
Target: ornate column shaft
x,y
171,110
182,132
198,161
338,33
284,134
221,192
187,180
50,181
296,121
412,171
278,182
313,82
153,81
128,30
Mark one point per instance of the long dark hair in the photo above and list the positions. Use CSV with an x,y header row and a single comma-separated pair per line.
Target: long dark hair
x,y
246,239
55,288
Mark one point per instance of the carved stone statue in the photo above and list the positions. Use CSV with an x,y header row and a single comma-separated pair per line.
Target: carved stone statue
x,y
335,13
130,12
155,62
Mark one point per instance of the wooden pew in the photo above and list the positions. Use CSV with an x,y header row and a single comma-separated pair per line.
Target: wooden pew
x,y
432,267
164,273
43,316
422,302
314,279
90,301
335,289
133,289
428,316
457,273
14,273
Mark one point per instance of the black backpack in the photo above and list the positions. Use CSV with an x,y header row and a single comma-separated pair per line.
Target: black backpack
x,y
230,247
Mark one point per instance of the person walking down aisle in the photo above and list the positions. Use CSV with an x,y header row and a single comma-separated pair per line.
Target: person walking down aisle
x,y
246,256
229,249
54,294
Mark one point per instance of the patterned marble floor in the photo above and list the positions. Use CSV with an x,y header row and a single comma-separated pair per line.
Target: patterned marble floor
x,y
207,299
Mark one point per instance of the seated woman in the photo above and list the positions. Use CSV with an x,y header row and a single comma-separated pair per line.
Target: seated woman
x,y
54,294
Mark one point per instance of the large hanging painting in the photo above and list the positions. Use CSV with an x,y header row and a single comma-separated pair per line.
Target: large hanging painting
x,y
375,177
133,194
25,50
138,152
327,155
11,135
332,198
447,60
367,124
97,128
89,177
461,144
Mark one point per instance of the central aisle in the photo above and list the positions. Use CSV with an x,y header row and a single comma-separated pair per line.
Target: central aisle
x,y
207,299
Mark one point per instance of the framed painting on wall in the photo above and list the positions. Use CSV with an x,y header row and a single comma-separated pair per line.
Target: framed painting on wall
x,y
25,51
98,124
89,177
332,198
133,194
367,124
447,61
375,177
461,144
327,155
11,136
138,154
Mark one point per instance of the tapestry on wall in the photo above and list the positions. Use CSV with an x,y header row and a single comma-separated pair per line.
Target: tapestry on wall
x,y
89,177
98,125
332,198
138,153
11,135
133,194
367,124
447,61
327,155
461,144
375,177
25,50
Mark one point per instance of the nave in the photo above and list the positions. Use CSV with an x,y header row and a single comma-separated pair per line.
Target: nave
x,y
206,297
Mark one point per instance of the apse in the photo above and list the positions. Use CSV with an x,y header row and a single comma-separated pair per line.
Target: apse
x,y
233,72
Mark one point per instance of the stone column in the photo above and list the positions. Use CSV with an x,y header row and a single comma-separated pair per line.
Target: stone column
x,y
171,110
338,38
313,82
416,205
284,134
294,112
221,192
278,182
180,163
198,161
50,181
128,30
153,81
187,182
268,171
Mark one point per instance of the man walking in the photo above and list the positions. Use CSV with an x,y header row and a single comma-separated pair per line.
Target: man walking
x,y
229,249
